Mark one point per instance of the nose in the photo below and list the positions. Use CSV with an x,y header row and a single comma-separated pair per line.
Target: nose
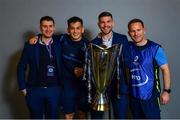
x,y
135,32
105,24
75,30
48,28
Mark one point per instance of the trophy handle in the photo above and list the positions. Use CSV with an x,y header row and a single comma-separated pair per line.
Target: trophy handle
x,y
118,71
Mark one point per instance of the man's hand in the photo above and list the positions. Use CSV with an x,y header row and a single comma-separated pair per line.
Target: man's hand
x,y
33,40
24,92
78,71
164,98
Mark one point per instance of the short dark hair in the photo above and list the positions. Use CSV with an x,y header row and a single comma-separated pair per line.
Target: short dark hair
x,y
105,14
47,18
74,19
135,20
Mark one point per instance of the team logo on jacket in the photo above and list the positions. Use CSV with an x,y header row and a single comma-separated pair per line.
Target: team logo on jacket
x,y
138,75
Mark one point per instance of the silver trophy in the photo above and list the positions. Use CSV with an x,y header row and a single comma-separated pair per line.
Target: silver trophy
x,y
102,65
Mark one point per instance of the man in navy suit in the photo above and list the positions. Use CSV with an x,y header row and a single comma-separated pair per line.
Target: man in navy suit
x,y
42,89
118,89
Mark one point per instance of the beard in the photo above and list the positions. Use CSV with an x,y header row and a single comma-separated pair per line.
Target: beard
x,y
105,32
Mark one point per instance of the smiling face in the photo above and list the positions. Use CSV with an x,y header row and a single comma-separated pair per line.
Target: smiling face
x,y
137,33
106,24
47,28
75,30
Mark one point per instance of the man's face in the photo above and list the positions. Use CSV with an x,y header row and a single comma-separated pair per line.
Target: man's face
x,y
75,30
106,24
137,32
47,28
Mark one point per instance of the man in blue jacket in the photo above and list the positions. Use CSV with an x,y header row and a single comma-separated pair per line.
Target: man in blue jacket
x,y
118,89
75,90
42,88
144,60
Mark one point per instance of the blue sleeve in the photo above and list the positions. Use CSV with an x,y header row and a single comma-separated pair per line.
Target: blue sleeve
x,y
21,68
160,57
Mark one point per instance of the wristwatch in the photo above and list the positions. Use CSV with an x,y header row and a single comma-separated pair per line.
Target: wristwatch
x,y
167,90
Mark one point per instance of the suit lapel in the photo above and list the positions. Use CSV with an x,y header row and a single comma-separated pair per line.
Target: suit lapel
x,y
114,41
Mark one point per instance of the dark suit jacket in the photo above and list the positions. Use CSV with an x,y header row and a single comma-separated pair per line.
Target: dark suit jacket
x,y
30,58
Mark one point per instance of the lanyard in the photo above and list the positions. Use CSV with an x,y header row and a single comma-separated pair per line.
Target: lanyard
x,y
48,47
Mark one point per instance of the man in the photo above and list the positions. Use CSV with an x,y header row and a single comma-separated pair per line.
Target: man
x,y
118,88
42,89
73,49
144,60
75,90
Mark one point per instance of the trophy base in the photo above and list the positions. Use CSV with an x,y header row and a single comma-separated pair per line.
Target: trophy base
x,y
100,103
100,107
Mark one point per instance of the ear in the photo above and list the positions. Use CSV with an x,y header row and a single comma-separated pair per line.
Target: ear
x,y
113,23
68,30
98,24
145,30
54,28
83,30
128,33
40,28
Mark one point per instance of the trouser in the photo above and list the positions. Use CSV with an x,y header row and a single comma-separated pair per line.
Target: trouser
x,y
44,101
75,98
145,109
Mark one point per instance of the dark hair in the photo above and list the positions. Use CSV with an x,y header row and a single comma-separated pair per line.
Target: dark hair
x,y
47,18
105,14
135,20
74,19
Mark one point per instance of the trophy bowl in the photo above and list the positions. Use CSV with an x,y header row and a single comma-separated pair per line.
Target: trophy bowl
x,y
103,65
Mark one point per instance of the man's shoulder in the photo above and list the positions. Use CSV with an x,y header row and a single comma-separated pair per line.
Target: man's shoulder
x,y
150,42
57,37
120,38
29,46
119,35
96,40
85,40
